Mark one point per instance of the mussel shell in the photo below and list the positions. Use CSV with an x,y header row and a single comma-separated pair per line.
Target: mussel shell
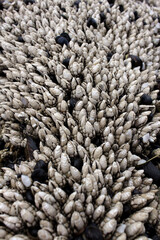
x,y
91,22
53,77
33,231
66,62
136,62
1,5
146,99
77,162
92,232
102,17
29,1
20,39
97,140
72,104
41,164
29,196
65,35
68,189
61,40
39,175
153,172
121,8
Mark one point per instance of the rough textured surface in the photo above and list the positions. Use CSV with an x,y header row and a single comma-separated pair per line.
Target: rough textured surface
x,y
79,92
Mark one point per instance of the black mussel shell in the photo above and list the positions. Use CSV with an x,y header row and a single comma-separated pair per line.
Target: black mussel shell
x,y
150,116
121,8
155,145
8,164
96,140
67,96
29,196
136,191
136,61
153,172
20,39
33,231
91,22
126,211
102,17
136,15
77,162
144,23
158,96
158,84
77,238
29,1
39,175
53,77
92,232
150,231
1,5
66,62
155,237
76,3
111,2
110,192
109,56
63,9
61,41
41,164
2,144
146,99
65,35
68,189
1,49
72,104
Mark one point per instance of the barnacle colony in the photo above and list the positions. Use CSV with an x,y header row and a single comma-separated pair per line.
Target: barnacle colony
x,y
78,90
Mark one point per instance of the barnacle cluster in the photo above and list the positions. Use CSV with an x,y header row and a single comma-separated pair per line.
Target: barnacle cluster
x,y
79,93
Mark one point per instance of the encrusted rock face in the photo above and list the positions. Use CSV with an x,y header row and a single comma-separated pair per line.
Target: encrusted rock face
x,y
79,92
